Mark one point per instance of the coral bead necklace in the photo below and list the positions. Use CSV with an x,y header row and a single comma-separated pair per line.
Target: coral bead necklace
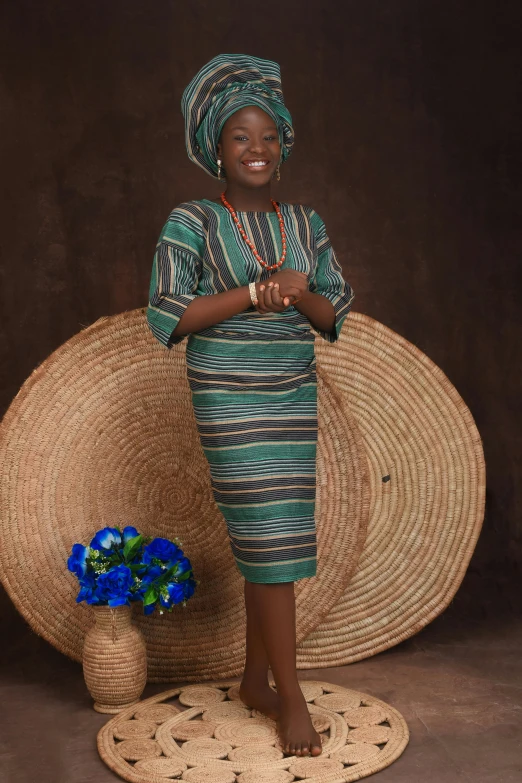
x,y
250,243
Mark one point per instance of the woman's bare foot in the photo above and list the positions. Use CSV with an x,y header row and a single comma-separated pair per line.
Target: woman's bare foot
x,y
260,696
296,732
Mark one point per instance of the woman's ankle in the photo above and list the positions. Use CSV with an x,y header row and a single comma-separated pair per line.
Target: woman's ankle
x,y
290,692
254,678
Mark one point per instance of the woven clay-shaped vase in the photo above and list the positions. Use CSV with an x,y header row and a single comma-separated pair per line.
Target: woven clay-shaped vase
x,y
114,659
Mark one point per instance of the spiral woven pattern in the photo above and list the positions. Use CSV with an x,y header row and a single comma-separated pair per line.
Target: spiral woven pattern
x,y
201,696
248,749
227,711
156,712
135,729
245,732
428,488
194,729
103,433
161,767
255,752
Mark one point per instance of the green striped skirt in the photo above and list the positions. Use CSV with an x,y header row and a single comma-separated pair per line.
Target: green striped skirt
x,y
254,394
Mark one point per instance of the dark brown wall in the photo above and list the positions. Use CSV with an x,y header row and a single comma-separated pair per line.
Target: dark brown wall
x,y
407,134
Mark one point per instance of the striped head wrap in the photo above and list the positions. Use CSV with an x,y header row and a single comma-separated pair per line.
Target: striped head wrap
x,y
223,86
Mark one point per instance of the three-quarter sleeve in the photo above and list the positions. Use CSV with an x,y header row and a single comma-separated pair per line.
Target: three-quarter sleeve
x,y
176,270
328,279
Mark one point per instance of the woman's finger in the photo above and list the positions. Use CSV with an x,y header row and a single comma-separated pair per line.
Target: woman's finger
x,y
277,299
261,295
276,296
269,302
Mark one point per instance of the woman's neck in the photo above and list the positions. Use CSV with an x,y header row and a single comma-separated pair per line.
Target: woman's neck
x,y
249,199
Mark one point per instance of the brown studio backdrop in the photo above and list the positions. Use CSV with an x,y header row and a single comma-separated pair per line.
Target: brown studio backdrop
x,y
407,130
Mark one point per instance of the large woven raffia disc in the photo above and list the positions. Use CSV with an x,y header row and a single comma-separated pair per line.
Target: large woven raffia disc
x,y
103,433
360,735
427,488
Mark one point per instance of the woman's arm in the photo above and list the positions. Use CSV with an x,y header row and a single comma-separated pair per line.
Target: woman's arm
x,y
318,309
205,311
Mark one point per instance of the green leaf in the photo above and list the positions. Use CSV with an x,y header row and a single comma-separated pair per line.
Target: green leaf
x,y
131,547
151,596
184,576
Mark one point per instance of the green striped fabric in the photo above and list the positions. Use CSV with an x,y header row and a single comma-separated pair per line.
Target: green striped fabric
x,y
252,376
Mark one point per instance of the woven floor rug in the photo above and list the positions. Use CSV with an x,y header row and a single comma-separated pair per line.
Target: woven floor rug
x,y
204,734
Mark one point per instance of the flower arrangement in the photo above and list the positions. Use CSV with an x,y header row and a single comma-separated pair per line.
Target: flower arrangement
x,y
123,566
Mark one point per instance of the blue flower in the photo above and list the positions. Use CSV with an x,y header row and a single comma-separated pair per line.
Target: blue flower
x,y
106,538
114,586
77,561
88,589
182,565
149,608
151,574
161,548
175,592
128,533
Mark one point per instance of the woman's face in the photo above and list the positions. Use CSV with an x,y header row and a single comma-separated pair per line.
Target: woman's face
x,y
249,147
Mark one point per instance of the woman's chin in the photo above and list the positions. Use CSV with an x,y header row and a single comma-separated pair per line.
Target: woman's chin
x,y
257,181
254,178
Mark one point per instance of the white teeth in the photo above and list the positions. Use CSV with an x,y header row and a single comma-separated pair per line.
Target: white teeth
x,y
257,163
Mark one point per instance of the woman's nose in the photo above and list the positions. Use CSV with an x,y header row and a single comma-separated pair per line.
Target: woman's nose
x,y
257,145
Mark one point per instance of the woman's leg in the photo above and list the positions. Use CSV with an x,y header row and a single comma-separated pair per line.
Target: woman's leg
x,y
274,607
254,689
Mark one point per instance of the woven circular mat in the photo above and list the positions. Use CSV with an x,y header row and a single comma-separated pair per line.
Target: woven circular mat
x,y
428,486
204,734
103,433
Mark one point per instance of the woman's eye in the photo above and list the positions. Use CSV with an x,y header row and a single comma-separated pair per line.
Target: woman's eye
x,y
269,138
240,138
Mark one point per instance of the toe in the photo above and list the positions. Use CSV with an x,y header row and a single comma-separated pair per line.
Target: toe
x,y
305,750
316,750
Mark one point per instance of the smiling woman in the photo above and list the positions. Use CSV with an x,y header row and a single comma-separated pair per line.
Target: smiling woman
x,y
249,143
250,356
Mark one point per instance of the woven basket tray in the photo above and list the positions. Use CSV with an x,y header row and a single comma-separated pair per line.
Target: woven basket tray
x,y
103,433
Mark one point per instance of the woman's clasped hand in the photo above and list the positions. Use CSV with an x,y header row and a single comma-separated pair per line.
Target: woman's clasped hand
x,y
281,290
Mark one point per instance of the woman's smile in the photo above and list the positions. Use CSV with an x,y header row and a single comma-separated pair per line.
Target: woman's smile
x,y
255,165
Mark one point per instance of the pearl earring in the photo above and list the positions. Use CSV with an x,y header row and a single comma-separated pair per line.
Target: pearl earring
x,y
219,168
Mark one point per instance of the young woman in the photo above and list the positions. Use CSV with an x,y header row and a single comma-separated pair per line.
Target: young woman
x,y
246,278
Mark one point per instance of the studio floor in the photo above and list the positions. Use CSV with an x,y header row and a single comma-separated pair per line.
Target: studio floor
x,y
458,684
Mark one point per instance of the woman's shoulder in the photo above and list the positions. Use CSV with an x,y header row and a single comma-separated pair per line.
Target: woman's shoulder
x,y
305,209
308,213
193,208
185,225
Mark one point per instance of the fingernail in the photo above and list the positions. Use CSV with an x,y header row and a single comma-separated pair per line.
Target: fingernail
x,y
261,287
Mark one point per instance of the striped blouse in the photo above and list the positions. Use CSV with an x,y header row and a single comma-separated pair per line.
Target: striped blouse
x,y
201,252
